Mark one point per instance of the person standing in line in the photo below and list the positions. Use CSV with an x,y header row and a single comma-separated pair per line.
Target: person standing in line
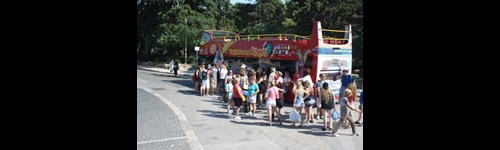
x,y
298,101
195,78
280,85
262,88
309,102
238,98
327,105
213,79
271,77
319,89
243,81
346,79
204,81
229,94
222,78
253,89
271,96
360,109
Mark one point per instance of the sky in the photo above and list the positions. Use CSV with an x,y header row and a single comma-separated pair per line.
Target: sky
x,y
240,1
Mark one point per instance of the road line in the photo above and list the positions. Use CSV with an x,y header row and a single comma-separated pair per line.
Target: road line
x,y
153,141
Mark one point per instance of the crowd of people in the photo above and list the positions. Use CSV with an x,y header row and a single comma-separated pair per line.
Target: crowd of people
x,y
249,89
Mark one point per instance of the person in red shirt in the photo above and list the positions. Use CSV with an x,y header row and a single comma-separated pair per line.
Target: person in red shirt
x,y
238,97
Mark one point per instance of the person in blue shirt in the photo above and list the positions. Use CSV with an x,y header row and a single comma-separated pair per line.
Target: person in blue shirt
x,y
346,79
253,89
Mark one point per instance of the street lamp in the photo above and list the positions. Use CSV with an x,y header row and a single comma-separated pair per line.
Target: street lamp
x,y
185,41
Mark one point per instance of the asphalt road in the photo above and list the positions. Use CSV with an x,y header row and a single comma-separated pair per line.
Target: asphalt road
x,y
170,115
157,125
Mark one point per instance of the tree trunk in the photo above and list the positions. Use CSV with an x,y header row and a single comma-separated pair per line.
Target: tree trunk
x,y
147,51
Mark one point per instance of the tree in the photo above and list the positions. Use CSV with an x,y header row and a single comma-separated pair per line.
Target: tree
x,y
147,24
161,28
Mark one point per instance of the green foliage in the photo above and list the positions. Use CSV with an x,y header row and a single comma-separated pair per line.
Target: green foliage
x,y
161,27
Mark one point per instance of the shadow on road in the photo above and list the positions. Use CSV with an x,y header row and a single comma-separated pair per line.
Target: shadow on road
x,y
186,83
162,75
217,102
250,123
188,92
317,133
215,114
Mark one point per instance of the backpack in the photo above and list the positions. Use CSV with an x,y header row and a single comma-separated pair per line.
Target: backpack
x,y
204,75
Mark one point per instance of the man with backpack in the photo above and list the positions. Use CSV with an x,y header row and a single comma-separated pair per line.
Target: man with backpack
x,y
204,81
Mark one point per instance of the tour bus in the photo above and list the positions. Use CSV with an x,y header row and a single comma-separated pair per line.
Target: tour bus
x,y
324,51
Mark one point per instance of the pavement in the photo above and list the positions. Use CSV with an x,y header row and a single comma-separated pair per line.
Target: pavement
x,y
180,73
205,116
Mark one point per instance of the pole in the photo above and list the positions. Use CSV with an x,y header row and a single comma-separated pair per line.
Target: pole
x,y
196,48
185,42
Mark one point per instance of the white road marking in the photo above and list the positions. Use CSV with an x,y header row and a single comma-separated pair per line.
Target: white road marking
x,y
153,141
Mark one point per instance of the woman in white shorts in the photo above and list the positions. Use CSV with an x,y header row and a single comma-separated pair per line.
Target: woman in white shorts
x,y
229,94
271,96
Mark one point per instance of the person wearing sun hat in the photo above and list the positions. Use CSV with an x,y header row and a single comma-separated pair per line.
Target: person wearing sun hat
x,y
346,79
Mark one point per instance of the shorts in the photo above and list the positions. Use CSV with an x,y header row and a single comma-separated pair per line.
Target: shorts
x,y
299,103
230,100
324,106
271,103
262,90
213,83
237,101
204,83
280,104
252,99
308,104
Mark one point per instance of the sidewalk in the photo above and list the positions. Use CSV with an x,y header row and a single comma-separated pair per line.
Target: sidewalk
x,y
215,130
184,74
